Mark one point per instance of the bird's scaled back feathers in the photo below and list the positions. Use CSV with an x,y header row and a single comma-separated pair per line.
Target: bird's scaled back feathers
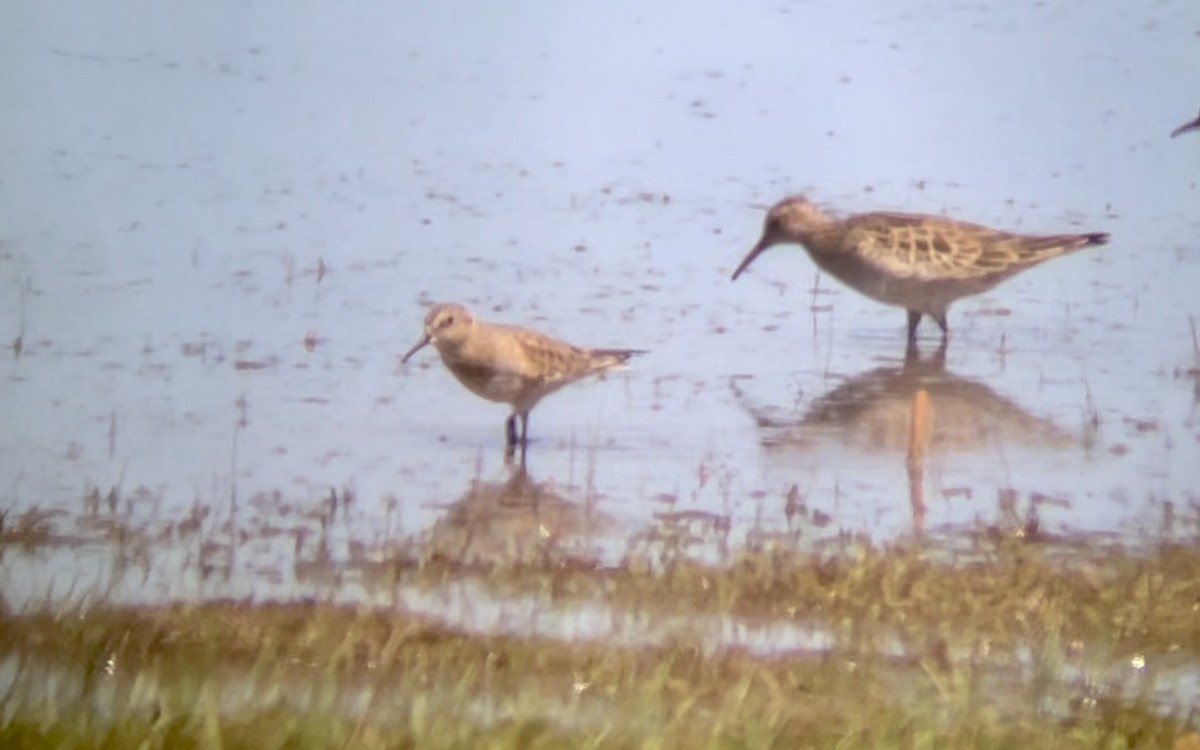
x,y
933,247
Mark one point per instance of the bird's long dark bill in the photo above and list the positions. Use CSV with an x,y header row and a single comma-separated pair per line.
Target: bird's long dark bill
x,y
1193,125
424,340
754,253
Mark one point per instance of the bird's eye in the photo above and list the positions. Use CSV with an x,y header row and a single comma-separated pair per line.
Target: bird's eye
x,y
448,321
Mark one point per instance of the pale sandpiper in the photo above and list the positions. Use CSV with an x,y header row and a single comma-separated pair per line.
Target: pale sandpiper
x,y
921,263
509,364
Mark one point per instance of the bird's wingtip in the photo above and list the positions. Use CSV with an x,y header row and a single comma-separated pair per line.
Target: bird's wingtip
x,y
628,354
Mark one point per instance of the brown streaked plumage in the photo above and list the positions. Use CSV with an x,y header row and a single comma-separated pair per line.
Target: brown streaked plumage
x,y
509,364
921,263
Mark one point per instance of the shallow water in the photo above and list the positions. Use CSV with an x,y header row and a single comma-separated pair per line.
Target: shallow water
x,y
220,225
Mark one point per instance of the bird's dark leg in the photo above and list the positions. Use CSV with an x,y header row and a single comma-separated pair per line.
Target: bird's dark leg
x,y
510,432
914,319
513,439
940,319
510,457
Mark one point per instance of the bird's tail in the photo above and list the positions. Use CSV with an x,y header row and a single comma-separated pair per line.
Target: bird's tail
x,y
1048,246
608,359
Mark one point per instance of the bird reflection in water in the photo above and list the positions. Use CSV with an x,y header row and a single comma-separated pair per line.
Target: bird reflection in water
x,y
518,521
917,409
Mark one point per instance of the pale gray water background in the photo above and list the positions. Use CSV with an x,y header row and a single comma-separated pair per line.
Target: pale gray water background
x,y
174,179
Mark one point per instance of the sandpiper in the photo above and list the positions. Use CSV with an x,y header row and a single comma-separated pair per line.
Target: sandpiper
x,y
921,263
509,364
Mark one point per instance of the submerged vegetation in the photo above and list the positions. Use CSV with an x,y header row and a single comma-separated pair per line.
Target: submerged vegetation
x,y
997,641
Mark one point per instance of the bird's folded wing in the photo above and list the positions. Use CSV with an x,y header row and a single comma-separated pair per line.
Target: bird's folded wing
x,y
930,248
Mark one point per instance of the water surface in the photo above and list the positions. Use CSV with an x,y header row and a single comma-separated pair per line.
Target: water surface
x,y
220,225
